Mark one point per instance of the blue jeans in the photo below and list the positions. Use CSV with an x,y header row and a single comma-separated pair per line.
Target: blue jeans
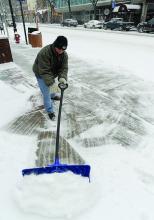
x,y
48,102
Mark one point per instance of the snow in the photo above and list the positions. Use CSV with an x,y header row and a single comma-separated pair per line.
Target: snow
x,y
3,37
55,188
35,32
42,11
122,178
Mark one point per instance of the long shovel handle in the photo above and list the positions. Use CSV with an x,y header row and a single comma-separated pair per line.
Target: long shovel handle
x,y
62,88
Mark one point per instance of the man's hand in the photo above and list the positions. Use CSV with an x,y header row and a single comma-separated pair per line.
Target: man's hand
x,y
62,80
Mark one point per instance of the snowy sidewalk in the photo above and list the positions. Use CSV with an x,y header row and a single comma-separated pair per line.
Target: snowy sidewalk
x,y
87,106
107,118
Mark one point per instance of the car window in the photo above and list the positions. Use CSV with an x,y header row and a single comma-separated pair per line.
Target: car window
x,y
151,21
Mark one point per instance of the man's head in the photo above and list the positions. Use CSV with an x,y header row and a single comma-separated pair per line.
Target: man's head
x,y
60,44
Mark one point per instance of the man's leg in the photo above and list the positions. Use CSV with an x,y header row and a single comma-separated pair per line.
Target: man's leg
x,y
55,96
48,103
54,93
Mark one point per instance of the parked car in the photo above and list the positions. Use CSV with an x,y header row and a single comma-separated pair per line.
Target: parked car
x,y
93,24
146,26
118,23
69,22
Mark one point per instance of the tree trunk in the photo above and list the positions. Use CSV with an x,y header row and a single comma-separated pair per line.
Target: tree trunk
x,y
69,8
94,12
94,3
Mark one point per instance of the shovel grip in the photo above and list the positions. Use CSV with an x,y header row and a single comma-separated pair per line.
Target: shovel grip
x,y
63,86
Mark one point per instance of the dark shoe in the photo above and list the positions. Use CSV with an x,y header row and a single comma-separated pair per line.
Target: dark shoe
x,y
56,98
52,116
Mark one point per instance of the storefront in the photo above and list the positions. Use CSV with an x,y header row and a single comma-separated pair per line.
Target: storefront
x,y
128,12
150,9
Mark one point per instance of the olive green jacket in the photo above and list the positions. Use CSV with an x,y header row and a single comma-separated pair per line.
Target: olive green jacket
x,y
48,65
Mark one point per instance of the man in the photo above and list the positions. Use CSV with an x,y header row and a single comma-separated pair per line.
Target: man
x,y
51,62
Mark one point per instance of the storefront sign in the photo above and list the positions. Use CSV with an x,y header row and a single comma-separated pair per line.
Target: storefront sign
x,y
113,4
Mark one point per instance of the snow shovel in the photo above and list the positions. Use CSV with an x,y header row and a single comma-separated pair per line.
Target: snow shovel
x,y
57,167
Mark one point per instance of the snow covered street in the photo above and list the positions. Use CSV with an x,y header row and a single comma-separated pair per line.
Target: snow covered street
x,y
107,119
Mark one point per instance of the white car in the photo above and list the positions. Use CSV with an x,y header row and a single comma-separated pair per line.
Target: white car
x,y
93,24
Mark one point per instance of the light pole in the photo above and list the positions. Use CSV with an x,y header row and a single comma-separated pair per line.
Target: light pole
x,y
23,21
13,18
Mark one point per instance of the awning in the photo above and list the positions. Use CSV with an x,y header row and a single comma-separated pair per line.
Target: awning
x,y
129,7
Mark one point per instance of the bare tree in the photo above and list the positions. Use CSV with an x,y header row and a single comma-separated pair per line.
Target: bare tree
x,y
68,2
69,8
52,9
94,4
41,4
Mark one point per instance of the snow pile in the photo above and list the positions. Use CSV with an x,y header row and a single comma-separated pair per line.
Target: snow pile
x,y
35,32
56,195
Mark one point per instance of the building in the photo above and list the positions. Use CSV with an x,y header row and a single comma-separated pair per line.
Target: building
x,y
83,10
54,11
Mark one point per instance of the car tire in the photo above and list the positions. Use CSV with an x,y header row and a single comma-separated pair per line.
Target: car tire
x,y
105,27
121,28
140,29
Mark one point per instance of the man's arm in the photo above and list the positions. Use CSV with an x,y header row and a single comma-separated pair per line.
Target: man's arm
x,y
64,69
44,66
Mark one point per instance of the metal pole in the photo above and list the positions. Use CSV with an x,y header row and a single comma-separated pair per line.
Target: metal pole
x,y
13,19
36,18
23,21
62,88
144,11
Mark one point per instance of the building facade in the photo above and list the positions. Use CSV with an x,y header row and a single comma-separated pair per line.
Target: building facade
x,y
54,11
83,10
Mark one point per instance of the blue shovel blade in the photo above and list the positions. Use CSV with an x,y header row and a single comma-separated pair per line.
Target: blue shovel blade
x,y
83,170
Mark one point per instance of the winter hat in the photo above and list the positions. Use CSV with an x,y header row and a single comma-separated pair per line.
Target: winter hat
x,y
61,42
